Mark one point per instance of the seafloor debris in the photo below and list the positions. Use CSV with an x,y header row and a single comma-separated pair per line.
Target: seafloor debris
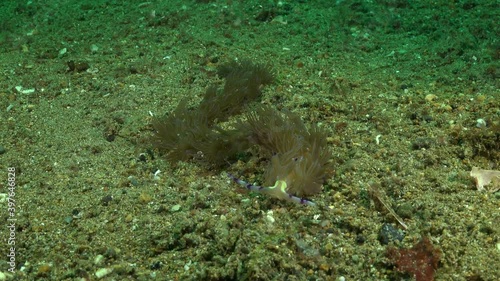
x,y
421,260
485,177
381,198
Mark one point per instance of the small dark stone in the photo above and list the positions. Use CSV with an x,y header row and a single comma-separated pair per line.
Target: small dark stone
x,y
427,118
110,137
133,181
71,65
133,69
405,86
155,265
81,66
151,154
389,233
265,16
421,143
421,117
110,253
162,209
106,199
360,239
142,157
245,250
77,66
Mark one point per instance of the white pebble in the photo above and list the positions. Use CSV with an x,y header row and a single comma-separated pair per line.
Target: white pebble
x,y
100,273
98,259
269,217
480,123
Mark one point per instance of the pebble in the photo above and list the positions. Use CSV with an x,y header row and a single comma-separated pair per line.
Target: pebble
x,y
99,259
270,217
145,198
3,276
175,208
106,199
100,273
430,97
480,123
389,233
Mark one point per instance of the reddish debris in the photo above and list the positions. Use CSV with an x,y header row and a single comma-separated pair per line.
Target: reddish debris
x,y
421,260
